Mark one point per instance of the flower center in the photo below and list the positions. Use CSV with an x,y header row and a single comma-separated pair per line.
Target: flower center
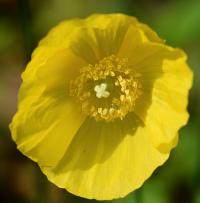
x,y
107,90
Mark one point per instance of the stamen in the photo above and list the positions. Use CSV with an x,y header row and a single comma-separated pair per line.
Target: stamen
x,y
91,89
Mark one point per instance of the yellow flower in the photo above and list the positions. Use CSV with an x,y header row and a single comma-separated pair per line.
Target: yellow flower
x,y
101,104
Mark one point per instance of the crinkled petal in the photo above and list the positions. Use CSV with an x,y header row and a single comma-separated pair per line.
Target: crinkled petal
x,y
165,81
169,101
117,157
44,129
59,36
47,117
102,21
102,37
150,34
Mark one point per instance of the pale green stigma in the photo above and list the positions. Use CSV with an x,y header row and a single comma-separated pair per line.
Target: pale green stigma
x,y
101,91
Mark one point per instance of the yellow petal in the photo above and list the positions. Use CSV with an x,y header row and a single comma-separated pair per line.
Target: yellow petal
x,y
102,21
44,129
59,36
52,69
169,100
165,79
150,34
47,117
102,36
117,20
117,157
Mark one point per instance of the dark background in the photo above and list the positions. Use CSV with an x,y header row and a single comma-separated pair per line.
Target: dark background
x,y
23,23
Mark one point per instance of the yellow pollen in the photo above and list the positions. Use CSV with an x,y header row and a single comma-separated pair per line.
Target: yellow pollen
x,y
107,90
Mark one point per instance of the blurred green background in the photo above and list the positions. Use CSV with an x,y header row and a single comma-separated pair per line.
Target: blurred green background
x,y
24,22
